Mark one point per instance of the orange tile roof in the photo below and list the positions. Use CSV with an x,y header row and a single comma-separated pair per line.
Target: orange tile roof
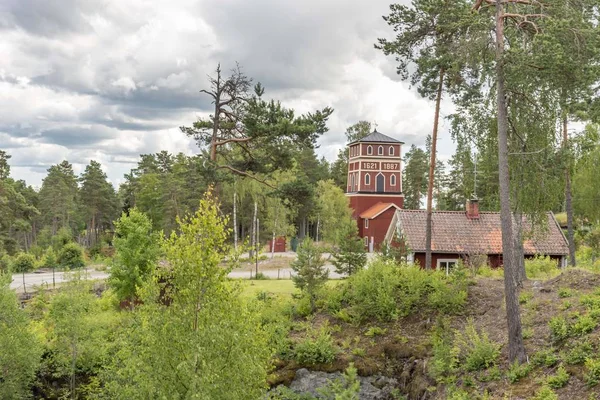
x,y
453,232
376,210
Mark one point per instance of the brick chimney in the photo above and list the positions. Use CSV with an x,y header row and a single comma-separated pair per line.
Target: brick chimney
x,y
472,209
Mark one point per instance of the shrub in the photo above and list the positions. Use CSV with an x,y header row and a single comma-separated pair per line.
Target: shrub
x,y
541,267
565,292
525,297
71,256
5,263
560,379
559,327
24,263
375,331
315,349
584,324
373,291
592,375
546,358
49,260
579,352
476,350
445,356
517,371
545,393
310,270
261,277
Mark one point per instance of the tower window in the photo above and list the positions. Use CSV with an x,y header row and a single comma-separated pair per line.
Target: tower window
x,y
367,179
391,150
370,150
352,182
380,150
393,180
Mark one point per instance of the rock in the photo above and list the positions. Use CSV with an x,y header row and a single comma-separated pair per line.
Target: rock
x,y
371,388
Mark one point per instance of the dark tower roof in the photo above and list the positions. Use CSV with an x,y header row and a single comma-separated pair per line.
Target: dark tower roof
x,y
376,137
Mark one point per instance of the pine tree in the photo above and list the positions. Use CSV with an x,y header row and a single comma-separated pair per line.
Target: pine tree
x,y
350,255
310,270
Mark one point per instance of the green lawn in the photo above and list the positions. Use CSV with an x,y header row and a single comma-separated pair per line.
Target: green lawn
x,y
283,287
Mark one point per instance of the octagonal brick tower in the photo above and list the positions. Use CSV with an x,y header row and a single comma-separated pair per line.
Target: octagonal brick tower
x,y
374,184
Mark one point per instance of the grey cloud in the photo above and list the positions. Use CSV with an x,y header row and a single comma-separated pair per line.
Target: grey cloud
x,y
77,137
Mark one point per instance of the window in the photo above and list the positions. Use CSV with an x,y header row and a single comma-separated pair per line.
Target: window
x,y
366,240
367,223
369,150
367,179
380,150
352,182
393,180
391,150
446,264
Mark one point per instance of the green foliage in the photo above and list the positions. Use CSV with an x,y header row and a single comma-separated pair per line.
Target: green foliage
x,y
546,358
346,387
71,256
545,393
334,212
310,270
317,348
560,379
475,350
137,250
49,260
375,331
565,292
579,352
592,374
207,338
559,328
445,361
21,352
525,297
5,263
350,255
386,291
517,371
584,324
261,277
24,262
541,267
63,237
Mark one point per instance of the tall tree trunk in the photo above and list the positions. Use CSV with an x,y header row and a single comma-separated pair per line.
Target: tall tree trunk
x,y
569,197
519,254
257,241
235,227
432,171
516,348
253,239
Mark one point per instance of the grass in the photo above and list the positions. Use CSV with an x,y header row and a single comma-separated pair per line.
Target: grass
x,y
280,287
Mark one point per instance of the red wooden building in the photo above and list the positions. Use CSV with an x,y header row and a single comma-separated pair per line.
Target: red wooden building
x,y
461,234
374,184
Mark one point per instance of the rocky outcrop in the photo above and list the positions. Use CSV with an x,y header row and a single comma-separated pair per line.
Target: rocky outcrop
x,y
375,387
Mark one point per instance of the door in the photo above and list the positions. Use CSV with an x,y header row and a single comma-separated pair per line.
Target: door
x,y
380,185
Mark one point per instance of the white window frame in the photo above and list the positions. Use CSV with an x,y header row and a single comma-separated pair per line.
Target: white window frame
x,y
391,150
393,180
366,223
369,150
352,182
366,238
380,151
447,261
367,179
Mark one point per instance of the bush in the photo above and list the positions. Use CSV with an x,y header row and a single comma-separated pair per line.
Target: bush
x,y
476,351
375,331
445,356
546,358
584,324
592,375
5,263
71,256
541,267
261,277
517,371
559,328
565,292
545,393
579,352
560,379
386,291
316,349
24,263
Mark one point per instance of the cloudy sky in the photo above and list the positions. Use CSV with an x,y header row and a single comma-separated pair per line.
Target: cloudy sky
x,y
111,79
